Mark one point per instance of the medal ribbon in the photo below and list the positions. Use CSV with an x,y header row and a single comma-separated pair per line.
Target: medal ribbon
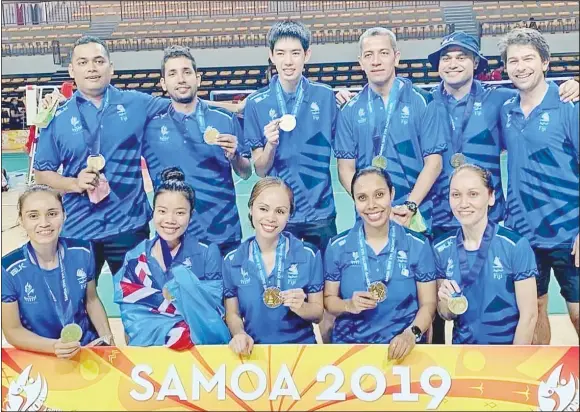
x,y
279,265
282,102
199,116
93,140
391,105
64,312
364,258
166,251
457,133
469,275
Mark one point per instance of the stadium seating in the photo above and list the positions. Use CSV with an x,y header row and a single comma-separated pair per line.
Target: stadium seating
x,y
524,10
544,25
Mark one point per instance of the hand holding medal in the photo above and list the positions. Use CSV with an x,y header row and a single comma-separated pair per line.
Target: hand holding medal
x,y
99,188
450,292
293,298
69,343
361,301
229,143
272,297
272,132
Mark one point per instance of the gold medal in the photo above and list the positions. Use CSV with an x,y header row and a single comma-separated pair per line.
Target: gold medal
x,y
96,162
71,333
380,162
457,160
167,295
211,135
458,305
272,297
287,123
378,291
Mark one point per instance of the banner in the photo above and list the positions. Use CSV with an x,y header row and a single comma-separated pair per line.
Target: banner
x,y
14,140
294,378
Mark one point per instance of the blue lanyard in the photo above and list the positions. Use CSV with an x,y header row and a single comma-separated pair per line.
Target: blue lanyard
x,y
166,251
364,258
65,315
282,102
279,266
458,131
391,105
469,275
93,140
199,116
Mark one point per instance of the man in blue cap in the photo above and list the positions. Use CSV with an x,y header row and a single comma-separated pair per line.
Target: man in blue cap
x,y
471,127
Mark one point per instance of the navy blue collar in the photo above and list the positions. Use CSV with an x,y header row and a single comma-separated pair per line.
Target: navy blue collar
x,y
307,88
351,244
114,96
551,99
404,95
180,117
296,251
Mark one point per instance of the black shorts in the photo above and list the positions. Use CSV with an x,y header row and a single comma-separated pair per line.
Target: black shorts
x,y
562,262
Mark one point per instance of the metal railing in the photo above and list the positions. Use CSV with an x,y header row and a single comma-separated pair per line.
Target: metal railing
x,y
140,10
46,12
544,26
29,49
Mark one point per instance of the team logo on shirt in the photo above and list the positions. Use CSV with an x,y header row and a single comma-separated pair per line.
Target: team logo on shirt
x,y
477,108
292,274
122,112
245,277
497,268
61,111
544,122
76,124
315,110
354,260
164,134
82,278
27,393
30,295
450,268
558,393
405,113
272,113
402,259
362,117
17,269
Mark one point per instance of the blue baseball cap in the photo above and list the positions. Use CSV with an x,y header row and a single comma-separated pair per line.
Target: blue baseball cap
x,y
463,40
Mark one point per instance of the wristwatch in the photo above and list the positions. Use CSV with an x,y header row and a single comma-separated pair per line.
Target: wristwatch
x,y
417,332
412,206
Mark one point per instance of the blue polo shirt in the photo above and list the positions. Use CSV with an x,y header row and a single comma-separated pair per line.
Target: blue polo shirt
x,y
302,269
23,281
413,263
492,313
302,158
480,145
543,157
63,142
409,138
207,170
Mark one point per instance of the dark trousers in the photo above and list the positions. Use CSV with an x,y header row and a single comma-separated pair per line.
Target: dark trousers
x,y
113,249
318,233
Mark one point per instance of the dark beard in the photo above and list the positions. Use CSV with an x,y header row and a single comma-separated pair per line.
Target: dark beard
x,y
183,100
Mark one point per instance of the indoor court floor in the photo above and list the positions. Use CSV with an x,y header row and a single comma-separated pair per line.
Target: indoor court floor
x,y
13,236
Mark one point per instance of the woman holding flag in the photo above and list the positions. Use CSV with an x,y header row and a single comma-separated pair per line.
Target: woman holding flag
x,y
380,276
486,273
170,287
273,281
49,297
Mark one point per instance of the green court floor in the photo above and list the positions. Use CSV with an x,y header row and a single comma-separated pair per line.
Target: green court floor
x,y
345,219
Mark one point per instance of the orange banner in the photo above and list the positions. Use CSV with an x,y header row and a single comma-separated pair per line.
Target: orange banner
x,y
294,378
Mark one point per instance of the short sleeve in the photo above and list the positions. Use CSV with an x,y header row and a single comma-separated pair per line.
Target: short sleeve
x,y
91,263
433,129
230,290
243,148
344,144
503,121
253,134
423,263
213,263
47,158
573,119
9,290
332,271
439,268
154,105
334,115
316,281
523,261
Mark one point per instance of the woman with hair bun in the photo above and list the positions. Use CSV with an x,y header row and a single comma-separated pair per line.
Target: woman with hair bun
x,y
273,281
486,273
170,287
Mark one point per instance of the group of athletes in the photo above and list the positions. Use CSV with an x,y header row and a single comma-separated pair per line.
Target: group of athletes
x,y
435,237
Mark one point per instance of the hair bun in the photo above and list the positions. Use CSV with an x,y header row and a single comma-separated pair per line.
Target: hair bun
x,y
172,173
